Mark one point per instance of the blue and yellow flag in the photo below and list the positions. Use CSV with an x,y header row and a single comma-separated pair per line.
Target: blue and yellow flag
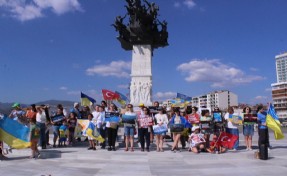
x,y
14,133
86,100
123,100
93,133
273,123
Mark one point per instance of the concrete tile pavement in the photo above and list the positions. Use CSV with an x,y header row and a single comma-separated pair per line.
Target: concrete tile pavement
x,y
80,161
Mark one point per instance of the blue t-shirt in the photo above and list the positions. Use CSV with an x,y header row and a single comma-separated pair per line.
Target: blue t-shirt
x,y
261,120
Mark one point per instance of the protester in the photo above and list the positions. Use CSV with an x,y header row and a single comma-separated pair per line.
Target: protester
x,y
31,113
177,119
56,125
34,137
48,124
248,129
262,126
72,123
206,118
144,123
76,109
41,120
184,135
91,140
233,120
196,140
85,112
104,105
129,129
101,125
141,112
17,113
112,129
160,119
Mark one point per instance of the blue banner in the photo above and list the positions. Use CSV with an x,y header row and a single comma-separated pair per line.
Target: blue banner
x,y
129,119
160,129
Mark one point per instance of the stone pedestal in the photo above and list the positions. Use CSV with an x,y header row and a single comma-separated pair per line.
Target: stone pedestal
x,y
141,75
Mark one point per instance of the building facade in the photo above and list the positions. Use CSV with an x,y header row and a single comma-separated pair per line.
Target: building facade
x,y
279,89
221,99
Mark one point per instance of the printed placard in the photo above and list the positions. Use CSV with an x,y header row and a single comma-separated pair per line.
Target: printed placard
x,y
252,118
193,118
112,117
129,119
160,129
57,118
145,121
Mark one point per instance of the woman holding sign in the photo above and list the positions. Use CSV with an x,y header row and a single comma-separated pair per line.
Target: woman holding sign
x,y
177,124
57,121
248,126
129,119
112,126
145,122
161,122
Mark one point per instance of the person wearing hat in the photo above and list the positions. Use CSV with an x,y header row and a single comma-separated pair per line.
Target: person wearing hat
x,y
76,109
17,112
196,139
141,113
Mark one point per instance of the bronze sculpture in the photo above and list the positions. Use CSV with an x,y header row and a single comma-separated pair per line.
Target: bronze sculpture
x,y
143,26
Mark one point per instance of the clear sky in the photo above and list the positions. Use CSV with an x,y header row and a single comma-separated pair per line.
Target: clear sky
x,y
53,49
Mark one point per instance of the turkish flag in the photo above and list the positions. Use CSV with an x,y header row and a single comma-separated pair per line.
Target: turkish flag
x,y
109,95
227,140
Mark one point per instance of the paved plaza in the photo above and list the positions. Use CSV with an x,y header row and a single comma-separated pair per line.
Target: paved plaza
x,y
79,161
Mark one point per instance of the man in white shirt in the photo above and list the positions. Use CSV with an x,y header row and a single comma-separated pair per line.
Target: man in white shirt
x,y
232,128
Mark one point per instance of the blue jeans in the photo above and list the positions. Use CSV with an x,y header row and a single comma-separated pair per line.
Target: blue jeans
x,y
234,131
129,131
42,126
56,130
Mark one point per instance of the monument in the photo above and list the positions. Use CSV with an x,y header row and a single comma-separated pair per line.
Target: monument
x,y
142,34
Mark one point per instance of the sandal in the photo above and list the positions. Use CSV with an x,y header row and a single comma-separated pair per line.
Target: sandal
x,y
127,149
132,149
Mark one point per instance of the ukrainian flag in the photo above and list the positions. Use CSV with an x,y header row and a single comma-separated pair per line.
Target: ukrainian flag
x,y
14,133
93,133
123,100
86,100
273,122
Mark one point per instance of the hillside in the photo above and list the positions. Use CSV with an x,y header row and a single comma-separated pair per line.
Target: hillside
x,y
5,108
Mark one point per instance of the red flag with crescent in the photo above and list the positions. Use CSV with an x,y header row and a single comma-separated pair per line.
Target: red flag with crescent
x,y
227,140
109,95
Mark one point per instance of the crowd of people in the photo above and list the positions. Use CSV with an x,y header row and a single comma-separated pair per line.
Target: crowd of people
x,y
201,130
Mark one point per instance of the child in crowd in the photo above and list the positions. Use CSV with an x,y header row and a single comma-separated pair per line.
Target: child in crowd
x,y
63,134
91,140
197,141
34,137
72,123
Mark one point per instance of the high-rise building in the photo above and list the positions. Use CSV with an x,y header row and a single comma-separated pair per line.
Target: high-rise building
x,y
281,67
279,89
